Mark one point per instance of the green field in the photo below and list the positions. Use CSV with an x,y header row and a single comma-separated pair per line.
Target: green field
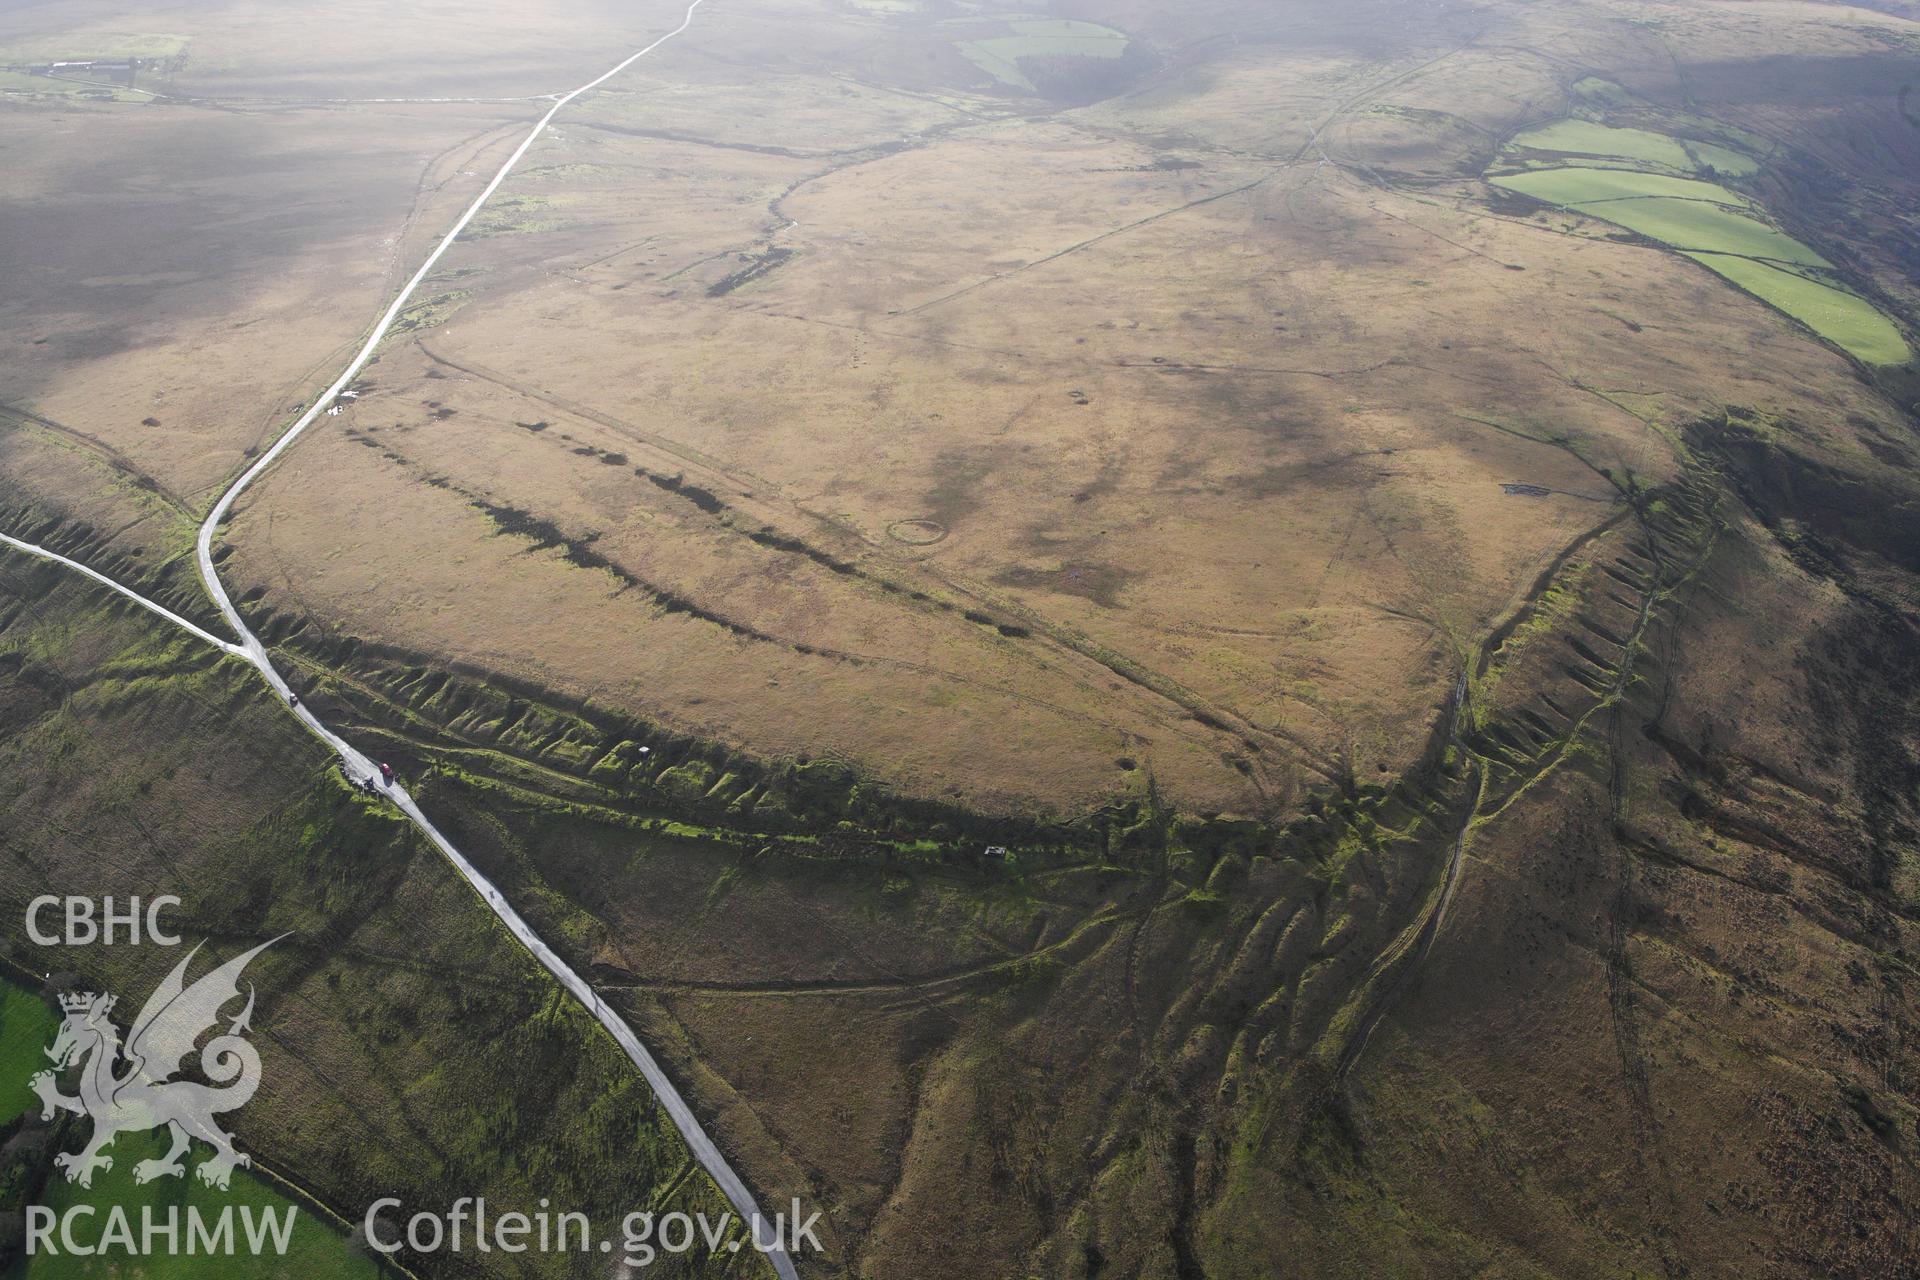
x,y
1588,185
1678,212
1842,318
26,1028
1735,164
315,1248
1602,91
1718,228
999,56
1588,138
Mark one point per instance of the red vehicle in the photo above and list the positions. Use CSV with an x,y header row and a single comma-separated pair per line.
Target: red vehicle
x,y
386,772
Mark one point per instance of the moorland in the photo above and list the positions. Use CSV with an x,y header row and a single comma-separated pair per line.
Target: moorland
x,y
1393,522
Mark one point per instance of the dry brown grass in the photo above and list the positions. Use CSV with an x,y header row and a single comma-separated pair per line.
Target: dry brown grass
x,y
1223,439
1212,445
1201,400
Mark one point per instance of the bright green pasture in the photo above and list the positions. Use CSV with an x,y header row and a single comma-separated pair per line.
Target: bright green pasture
x,y
316,1251
1585,138
1678,212
1718,228
1844,319
1641,146
26,1029
1585,186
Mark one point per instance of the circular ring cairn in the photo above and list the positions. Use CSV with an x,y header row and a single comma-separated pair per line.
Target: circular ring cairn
x,y
917,533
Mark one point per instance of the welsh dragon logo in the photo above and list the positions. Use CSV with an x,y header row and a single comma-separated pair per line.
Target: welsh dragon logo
x,y
133,1089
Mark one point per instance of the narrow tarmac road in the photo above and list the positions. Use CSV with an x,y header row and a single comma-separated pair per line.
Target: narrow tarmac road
x,y
358,765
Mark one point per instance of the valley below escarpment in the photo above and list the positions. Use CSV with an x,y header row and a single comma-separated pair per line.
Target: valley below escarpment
x,y
1619,979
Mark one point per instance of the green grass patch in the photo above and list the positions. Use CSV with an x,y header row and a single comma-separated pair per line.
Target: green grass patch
x,y
315,1249
1707,228
1543,163
431,312
26,1028
514,215
1848,321
1636,146
1551,613
999,56
1708,155
1679,212
1603,185
1720,229
1586,138
1602,92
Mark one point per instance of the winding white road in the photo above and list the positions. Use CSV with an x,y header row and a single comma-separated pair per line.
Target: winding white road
x,y
252,651
33,549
